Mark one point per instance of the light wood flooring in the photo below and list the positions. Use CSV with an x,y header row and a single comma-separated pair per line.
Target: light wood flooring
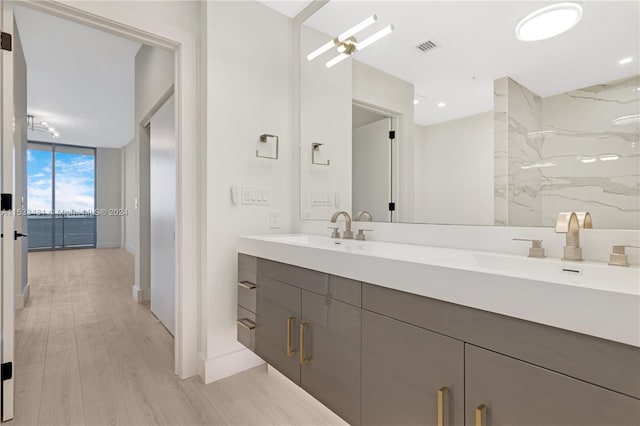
x,y
87,354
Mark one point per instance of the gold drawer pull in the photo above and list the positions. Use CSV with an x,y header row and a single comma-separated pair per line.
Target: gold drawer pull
x,y
290,350
443,396
246,323
481,415
247,285
303,331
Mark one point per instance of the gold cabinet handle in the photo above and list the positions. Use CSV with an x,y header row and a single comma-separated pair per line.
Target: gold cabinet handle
x,y
481,415
246,284
443,397
290,350
303,330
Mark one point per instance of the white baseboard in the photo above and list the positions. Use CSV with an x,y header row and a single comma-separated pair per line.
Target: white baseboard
x,y
130,248
107,245
140,295
230,364
21,299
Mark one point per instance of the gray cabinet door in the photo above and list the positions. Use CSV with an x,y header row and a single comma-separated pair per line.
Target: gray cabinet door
x,y
403,368
517,393
277,320
331,370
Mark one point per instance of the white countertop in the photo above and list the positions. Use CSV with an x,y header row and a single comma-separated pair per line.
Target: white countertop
x,y
585,297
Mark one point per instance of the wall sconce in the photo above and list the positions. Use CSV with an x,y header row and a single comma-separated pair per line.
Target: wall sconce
x,y
266,139
315,147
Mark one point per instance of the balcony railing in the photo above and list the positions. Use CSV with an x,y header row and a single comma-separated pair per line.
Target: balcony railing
x,y
61,231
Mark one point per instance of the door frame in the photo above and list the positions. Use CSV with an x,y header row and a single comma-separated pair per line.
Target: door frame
x,y
183,43
397,149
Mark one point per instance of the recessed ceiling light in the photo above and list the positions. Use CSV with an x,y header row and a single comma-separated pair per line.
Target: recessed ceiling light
x,y
416,102
611,157
44,123
588,160
625,61
549,22
441,105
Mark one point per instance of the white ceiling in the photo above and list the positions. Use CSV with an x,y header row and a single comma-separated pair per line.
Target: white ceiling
x,y
478,45
288,8
80,80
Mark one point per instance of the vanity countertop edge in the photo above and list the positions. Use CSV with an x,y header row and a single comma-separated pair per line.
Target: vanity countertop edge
x,y
608,314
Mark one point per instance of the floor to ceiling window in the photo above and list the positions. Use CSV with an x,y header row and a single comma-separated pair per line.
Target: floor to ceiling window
x,y
61,196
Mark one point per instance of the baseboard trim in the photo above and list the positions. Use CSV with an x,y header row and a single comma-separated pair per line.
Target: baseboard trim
x,y
22,299
230,364
108,245
140,295
130,248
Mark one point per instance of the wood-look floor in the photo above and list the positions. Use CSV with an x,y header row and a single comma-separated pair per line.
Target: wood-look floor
x,y
87,354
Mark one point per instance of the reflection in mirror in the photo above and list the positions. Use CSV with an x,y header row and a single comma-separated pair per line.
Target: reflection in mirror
x,y
488,129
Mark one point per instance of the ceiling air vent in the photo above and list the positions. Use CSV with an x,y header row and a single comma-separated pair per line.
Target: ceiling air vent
x,y
427,46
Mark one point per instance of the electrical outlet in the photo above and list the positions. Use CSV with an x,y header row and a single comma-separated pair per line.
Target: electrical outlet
x,y
274,219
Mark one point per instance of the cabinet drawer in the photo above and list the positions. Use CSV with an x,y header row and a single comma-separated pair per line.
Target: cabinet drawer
x,y
247,295
247,268
246,332
342,289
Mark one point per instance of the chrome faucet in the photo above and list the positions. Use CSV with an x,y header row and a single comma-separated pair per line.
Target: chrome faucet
x,y
568,223
359,215
348,234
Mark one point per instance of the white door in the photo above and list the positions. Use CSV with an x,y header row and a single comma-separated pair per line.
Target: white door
x,y
371,171
162,173
7,309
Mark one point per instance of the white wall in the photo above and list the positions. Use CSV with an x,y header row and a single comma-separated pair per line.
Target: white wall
x,y
130,176
108,197
325,108
456,158
154,69
249,93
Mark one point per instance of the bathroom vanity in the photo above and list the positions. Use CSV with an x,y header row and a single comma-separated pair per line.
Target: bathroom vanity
x,y
390,334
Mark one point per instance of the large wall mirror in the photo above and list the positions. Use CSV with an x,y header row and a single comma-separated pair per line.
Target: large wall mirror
x,y
441,112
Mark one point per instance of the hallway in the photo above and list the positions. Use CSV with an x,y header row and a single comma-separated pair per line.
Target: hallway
x,y
87,354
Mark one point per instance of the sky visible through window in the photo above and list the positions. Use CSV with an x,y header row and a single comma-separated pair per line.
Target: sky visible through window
x,y
75,182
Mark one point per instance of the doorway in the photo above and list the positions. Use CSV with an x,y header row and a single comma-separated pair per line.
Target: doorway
x,y
374,150
183,45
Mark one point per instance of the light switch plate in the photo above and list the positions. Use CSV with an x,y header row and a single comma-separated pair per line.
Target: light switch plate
x,y
253,195
322,198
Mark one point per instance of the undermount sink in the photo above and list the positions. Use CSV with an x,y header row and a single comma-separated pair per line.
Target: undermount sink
x,y
595,275
310,240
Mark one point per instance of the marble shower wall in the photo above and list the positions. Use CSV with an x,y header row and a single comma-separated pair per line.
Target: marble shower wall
x,y
517,154
596,163
563,153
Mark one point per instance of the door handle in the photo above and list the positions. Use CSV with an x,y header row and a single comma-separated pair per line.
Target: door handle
x,y
303,332
290,350
481,415
17,234
443,396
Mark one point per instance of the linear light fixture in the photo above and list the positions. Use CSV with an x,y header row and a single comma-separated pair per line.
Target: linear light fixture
x,y
346,43
342,37
375,37
357,28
